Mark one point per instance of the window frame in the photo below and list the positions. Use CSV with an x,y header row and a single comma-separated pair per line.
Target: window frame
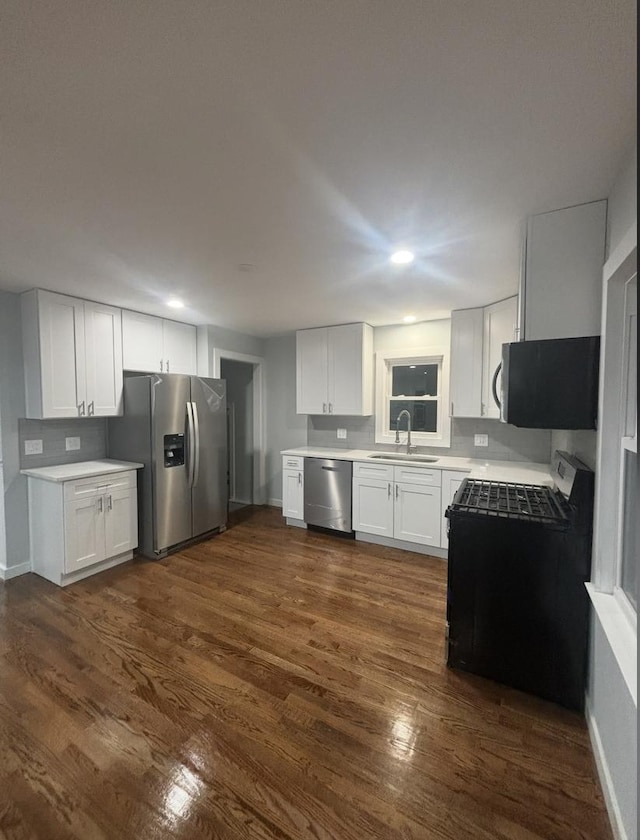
x,y
413,356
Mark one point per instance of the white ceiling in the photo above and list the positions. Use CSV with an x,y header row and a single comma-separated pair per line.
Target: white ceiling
x,y
150,148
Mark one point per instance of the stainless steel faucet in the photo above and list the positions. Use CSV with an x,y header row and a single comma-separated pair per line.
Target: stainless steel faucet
x,y
403,412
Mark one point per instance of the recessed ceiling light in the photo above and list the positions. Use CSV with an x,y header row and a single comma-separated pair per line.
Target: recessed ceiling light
x,y
402,257
174,303
409,319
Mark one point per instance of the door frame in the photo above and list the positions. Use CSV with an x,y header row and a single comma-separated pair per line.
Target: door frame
x,y
259,414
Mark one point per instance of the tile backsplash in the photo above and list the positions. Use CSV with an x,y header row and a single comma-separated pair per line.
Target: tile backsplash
x,y
91,431
506,443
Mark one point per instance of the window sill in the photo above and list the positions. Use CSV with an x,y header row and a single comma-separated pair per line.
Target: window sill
x,y
620,634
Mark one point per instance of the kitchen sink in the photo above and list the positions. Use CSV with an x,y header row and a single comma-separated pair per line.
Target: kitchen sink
x,y
420,459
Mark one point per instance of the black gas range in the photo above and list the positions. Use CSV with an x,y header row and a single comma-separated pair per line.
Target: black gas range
x,y
519,555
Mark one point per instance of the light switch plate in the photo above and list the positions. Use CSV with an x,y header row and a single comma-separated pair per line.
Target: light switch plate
x,y
71,443
33,447
342,434
481,440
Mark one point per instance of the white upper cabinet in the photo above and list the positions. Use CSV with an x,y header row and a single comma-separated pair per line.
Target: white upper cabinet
x,y
179,342
477,336
467,337
156,345
103,354
561,286
335,370
500,325
72,355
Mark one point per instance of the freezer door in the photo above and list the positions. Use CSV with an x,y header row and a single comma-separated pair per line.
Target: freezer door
x,y
172,460
210,493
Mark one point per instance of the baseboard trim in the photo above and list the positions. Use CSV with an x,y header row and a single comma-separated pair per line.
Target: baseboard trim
x,y
606,782
8,572
389,542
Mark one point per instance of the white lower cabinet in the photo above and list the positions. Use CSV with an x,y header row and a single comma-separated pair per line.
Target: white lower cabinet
x,y
293,487
80,527
402,503
451,481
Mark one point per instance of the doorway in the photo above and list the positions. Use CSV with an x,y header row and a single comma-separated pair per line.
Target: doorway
x,y
245,422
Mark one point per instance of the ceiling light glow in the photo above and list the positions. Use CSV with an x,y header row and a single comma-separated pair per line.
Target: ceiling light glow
x,y
174,303
409,319
402,257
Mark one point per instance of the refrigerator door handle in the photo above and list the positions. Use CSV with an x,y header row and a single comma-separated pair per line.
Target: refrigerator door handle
x,y
196,425
191,445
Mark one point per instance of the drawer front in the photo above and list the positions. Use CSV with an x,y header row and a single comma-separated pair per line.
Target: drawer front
x,y
417,475
373,470
97,484
292,462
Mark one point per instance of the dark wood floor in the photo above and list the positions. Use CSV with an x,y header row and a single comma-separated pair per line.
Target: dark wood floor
x,y
271,683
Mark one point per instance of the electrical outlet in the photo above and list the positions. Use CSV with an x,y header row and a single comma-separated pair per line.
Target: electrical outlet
x,y
342,434
481,440
71,443
33,447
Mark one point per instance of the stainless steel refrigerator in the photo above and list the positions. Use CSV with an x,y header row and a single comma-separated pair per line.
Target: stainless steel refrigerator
x,y
177,427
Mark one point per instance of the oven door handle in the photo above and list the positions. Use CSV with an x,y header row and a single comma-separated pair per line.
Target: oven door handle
x,y
494,385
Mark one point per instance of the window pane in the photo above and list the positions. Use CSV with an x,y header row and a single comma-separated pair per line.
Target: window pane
x,y
414,381
424,415
629,566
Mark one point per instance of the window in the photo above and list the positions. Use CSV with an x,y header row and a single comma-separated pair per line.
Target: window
x,y
417,384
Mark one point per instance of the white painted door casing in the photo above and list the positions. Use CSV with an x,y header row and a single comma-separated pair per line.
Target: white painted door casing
x,y
372,506
103,351
293,494
500,325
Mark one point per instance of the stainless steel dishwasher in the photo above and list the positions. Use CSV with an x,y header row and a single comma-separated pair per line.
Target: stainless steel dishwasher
x,y
327,493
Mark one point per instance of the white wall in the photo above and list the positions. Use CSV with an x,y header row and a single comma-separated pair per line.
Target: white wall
x,y
406,336
613,712
12,407
285,428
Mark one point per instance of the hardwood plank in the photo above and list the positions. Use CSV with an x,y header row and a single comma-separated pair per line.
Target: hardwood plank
x,y
271,683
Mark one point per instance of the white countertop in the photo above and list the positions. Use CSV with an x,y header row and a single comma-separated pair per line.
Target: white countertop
x,y
521,472
82,469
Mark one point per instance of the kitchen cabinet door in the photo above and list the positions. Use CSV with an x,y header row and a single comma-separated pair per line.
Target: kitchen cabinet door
x,y
179,348
372,506
467,337
451,481
121,521
417,514
60,375
84,532
312,372
103,347
293,494
350,370
142,342
500,323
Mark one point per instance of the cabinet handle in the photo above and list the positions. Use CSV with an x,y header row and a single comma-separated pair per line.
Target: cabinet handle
x,y
299,478
110,502
451,412
330,408
397,489
167,365
161,365
90,409
482,409
81,409
100,505
324,408
389,490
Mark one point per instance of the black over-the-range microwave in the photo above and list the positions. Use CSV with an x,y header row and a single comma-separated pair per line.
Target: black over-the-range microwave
x,y
549,384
